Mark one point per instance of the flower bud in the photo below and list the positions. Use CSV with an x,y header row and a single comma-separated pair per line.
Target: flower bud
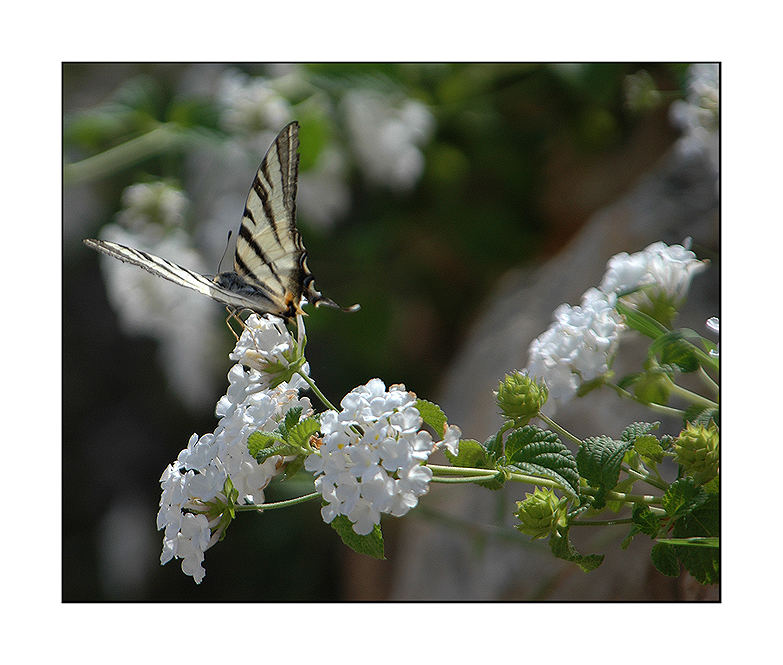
x,y
520,397
697,449
540,513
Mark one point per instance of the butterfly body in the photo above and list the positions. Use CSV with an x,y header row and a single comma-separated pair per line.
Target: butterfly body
x,y
270,273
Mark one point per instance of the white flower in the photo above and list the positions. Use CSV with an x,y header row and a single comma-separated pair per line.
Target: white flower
x,y
370,460
698,115
577,346
386,135
153,203
251,106
192,498
665,272
267,347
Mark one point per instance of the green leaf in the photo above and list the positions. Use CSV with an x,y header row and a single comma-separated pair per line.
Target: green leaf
x,y
664,558
648,447
291,418
283,449
371,544
698,415
637,429
562,548
682,497
541,453
433,415
293,467
694,541
644,521
471,454
673,349
637,320
299,435
704,520
259,441
598,460
494,445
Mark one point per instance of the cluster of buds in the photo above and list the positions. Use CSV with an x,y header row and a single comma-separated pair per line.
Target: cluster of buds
x,y
697,449
541,513
520,397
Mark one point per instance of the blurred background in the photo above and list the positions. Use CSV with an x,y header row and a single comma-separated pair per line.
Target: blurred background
x,y
458,203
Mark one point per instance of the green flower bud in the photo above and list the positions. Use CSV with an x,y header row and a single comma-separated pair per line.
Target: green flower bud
x,y
520,397
540,513
698,450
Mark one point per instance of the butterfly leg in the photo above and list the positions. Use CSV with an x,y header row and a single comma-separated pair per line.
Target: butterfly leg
x,y
232,314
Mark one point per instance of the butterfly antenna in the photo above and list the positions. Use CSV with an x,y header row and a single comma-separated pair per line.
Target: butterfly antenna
x,y
220,263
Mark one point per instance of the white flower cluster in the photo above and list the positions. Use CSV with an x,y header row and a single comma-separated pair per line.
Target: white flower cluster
x,y
371,458
386,136
193,486
266,346
697,115
580,343
152,203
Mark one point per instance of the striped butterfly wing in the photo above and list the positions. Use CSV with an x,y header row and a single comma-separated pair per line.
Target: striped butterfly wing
x,y
270,254
174,273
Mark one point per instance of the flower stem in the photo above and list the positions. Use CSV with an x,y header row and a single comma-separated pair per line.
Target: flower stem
x,y
647,479
260,507
691,396
317,392
711,384
660,408
624,520
462,471
123,155
560,430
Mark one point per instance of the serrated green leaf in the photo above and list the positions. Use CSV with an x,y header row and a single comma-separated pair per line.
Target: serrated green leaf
x,y
299,434
433,415
494,445
644,521
598,460
664,558
371,544
637,429
640,321
541,453
704,520
259,441
648,447
471,454
698,415
674,350
562,548
283,449
292,418
682,497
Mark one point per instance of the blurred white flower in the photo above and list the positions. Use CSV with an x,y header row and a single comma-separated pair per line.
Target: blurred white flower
x,y
713,323
156,203
371,457
182,321
386,135
698,115
252,108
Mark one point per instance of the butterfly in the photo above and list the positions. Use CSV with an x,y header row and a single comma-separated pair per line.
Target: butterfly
x,y
270,273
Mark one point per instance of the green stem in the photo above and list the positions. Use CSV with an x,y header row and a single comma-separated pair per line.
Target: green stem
x,y
560,430
277,504
466,479
123,155
691,396
317,392
625,520
711,384
660,408
462,471
535,480
647,479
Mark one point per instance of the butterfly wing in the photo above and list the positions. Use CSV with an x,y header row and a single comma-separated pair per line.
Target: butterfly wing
x,y
270,253
177,274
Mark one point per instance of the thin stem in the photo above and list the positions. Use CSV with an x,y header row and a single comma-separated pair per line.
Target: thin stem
x,y
711,384
462,470
466,479
660,408
560,430
535,480
123,155
260,507
647,479
624,520
691,396
317,392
